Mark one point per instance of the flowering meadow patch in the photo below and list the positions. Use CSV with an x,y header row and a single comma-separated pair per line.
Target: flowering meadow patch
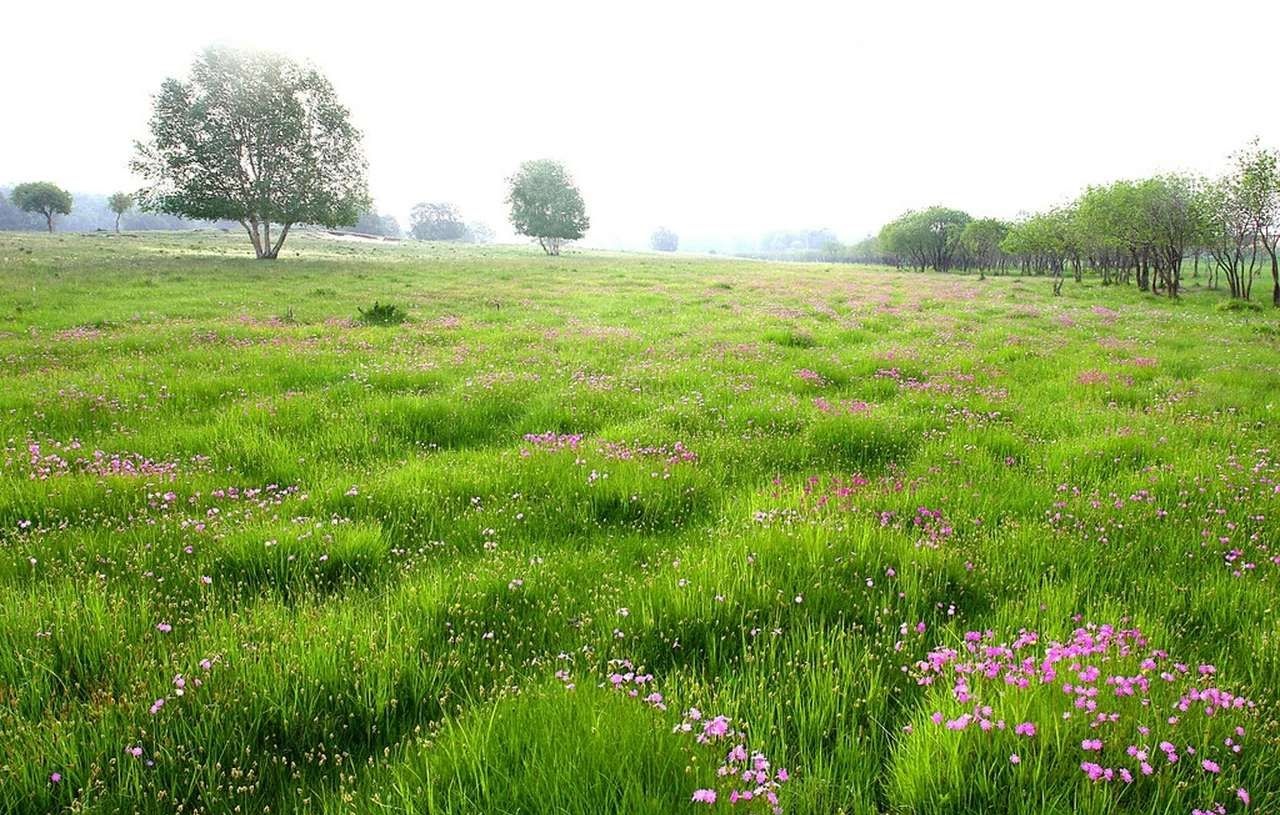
x,y
744,778
1135,713
53,459
870,541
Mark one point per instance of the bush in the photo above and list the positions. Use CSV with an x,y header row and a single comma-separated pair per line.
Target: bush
x,y
382,314
1239,305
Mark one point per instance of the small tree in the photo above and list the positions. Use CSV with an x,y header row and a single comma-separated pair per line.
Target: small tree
x,y
664,240
1259,173
981,238
437,222
254,138
1230,238
545,204
120,203
43,198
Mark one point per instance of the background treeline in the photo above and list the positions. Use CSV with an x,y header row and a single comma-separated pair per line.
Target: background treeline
x,y
1144,232
91,212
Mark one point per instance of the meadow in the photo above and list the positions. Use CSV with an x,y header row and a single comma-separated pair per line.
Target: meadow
x,y
611,533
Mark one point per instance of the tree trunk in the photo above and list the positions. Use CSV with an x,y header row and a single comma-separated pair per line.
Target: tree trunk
x,y
274,251
252,228
49,220
1275,279
117,223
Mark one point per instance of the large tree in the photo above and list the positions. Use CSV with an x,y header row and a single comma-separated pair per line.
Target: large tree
x,y
120,203
1179,224
437,221
664,240
43,198
981,239
255,138
545,204
927,238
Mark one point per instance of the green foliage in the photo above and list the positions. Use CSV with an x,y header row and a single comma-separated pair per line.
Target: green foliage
x,y
43,198
382,314
255,138
120,203
380,224
930,238
981,238
437,222
545,204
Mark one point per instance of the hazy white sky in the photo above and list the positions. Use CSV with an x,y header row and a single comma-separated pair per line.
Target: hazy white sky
x,y
715,119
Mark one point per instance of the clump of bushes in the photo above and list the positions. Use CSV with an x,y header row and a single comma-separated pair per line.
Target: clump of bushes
x,y
382,314
1239,305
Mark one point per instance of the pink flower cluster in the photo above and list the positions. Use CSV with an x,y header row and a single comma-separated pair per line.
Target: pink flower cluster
x,y
953,383
624,679
1127,702
933,527
43,464
835,492
745,777
674,454
853,406
552,441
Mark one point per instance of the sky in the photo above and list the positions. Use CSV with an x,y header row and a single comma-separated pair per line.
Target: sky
x,y
718,120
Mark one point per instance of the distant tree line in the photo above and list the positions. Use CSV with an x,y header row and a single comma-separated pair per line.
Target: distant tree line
x,y
90,213
1141,232
441,221
257,139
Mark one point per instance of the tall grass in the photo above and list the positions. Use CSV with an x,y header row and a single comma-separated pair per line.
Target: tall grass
x,y
256,555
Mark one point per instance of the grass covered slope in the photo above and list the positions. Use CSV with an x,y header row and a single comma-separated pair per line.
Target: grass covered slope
x,y
609,533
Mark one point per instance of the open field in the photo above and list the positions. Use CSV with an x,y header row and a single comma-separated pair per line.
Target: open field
x,y
256,557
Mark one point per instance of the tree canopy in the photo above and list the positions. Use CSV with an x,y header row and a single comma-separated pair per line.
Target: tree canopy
x,y
1142,230
437,221
664,240
380,224
43,198
255,138
546,204
927,238
120,203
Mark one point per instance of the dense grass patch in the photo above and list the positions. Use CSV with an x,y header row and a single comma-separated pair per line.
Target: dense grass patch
x,y
258,554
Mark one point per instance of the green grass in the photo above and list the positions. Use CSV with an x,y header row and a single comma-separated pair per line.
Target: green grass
x,y
775,488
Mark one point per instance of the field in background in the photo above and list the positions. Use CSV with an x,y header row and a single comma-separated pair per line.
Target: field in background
x,y
256,556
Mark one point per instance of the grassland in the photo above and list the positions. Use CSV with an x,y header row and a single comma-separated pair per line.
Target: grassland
x,y
258,557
